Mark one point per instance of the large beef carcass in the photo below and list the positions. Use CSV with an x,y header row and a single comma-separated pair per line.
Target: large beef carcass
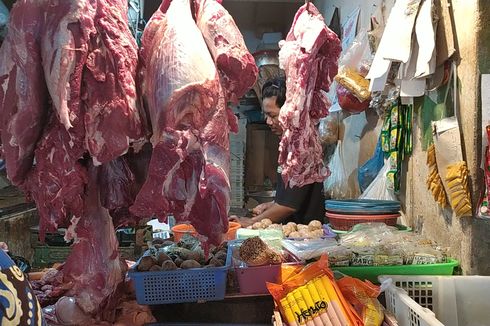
x,y
68,98
182,89
235,64
309,57
187,102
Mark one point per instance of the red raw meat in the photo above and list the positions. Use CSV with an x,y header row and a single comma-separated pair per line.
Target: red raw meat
x,y
23,95
309,57
235,64
96,282
57,182
81,54
88,42
188,172
92,279
112,119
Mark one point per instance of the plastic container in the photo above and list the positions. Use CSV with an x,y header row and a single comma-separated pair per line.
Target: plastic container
x,y
180,229
345,222
455,300
402,228
182,285
407,311
252,280
371,273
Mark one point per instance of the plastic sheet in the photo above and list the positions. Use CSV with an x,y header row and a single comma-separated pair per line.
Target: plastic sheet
x,y
308,248
379,189
328,129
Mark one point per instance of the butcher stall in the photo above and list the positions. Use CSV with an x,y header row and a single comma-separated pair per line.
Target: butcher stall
x,y
245,162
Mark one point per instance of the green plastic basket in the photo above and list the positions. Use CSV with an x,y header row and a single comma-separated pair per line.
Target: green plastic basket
x,y
371,273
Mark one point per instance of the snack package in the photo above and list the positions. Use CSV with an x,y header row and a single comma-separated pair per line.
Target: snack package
x,y
363,297
313,298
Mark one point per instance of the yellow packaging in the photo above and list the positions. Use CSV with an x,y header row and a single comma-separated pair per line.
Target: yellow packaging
x,y
305,315
286,308
355,83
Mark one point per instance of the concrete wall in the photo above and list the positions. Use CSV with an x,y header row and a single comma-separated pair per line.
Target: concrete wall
x,y
468,239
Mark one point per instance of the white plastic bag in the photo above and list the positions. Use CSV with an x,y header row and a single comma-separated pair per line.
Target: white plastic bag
x,y
378,189
337,184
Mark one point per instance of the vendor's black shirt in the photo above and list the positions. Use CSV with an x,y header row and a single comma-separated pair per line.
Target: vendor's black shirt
x,y
308,201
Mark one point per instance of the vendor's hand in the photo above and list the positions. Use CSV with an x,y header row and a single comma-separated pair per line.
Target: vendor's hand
x,y
244,221
259,209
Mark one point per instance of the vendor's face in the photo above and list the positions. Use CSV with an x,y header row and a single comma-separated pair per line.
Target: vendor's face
x,y
271,112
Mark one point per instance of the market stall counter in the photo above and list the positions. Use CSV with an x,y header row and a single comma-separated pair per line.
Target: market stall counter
x,y
233,310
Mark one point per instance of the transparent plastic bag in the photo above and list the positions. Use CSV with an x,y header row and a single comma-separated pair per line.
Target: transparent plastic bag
x,y
363,297
369,170
367,235
328,129
354,66
308,248
378,189
337,184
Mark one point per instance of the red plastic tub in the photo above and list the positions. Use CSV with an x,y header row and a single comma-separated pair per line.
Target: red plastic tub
x,y
345,222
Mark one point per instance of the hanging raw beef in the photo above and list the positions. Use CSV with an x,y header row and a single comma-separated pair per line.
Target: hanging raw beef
x,y
309,57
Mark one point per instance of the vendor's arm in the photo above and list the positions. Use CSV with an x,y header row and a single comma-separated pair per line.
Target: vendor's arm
x,y
273,211
276,213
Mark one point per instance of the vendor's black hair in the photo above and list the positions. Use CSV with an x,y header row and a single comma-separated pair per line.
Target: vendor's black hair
x,y
275,87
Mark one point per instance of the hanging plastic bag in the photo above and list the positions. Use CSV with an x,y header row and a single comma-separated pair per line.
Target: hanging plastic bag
x,y
337,184
368,172
378,189
353,68
329,129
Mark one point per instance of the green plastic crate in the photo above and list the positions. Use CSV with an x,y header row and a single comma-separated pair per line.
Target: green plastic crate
x,y
371,273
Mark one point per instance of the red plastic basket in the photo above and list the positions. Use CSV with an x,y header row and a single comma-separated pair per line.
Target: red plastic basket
x,y
344,222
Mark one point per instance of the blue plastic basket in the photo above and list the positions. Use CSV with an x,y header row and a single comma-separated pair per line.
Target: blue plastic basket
x,y
182,285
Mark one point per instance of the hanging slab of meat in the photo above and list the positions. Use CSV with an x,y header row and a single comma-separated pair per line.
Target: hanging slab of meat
x,y
23,95
91,280
90,60
235,64
112,119
68,72
57,182
182,90
309,57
